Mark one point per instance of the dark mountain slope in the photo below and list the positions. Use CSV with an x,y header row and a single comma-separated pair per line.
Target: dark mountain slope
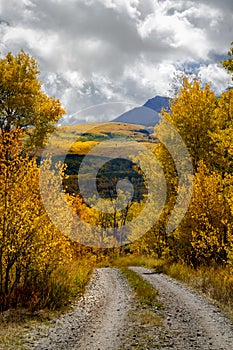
x,y
147,115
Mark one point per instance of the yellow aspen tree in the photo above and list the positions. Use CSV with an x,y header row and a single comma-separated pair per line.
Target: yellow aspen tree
x,y
221,137
192,114
204,234
228,63
31,248
23,104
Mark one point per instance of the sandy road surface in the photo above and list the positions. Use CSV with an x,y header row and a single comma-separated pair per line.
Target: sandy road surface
x,y
108,318
191,319
96,322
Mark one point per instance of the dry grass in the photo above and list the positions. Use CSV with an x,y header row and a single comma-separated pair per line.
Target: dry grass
x,y
146,317
80,138
141,260
149,318
16,323
102,128
215,282
144,292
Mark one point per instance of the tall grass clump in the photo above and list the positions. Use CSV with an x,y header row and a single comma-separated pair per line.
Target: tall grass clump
x,y
214,281
138,260
54,291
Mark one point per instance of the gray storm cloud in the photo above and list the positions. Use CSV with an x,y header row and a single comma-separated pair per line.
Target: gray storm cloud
x,y
93,52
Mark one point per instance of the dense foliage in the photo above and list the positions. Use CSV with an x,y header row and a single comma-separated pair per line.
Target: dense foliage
x,y
31,248
205,235
36,259
23,104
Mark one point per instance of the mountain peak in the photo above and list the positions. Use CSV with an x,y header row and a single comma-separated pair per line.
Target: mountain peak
x,y
157,103
147,115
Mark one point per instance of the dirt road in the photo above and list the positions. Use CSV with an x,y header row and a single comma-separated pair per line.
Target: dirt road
x,y
102,319
96,322
193,321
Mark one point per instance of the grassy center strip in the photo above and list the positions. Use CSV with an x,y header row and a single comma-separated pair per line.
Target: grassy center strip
x,y
145,324
145,293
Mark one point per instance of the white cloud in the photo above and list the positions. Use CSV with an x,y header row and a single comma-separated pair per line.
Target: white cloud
x,y
177,31
95,51
215,74
130,6
153,78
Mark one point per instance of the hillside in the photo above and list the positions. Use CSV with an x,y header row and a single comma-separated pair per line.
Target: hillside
x,y
85,136
77,140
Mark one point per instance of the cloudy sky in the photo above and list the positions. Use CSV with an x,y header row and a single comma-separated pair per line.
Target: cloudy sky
x,y
117,53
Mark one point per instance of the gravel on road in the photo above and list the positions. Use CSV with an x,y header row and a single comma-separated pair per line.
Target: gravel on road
x,y
192,320
96,322
108,317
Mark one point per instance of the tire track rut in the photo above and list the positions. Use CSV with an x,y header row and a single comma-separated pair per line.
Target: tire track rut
x,y
96,321
108,318
193,321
